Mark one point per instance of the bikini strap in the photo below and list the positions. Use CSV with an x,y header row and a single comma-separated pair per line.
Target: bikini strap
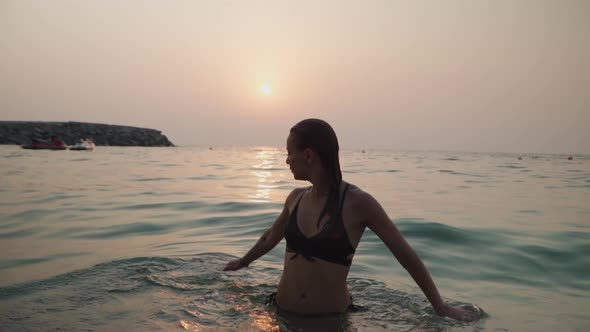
x,y
343,197
324,211
300,197
303,193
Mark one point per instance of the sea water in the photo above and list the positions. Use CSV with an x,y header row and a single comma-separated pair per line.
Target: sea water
x,y
135,239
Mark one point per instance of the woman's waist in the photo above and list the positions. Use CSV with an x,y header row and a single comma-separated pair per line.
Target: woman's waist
x,y
312,300
313,289
313,283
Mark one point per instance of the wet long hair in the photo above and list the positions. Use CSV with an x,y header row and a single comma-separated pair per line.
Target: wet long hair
x,y
318,135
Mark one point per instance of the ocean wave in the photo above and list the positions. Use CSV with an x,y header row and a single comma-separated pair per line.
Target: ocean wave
x,y
166,293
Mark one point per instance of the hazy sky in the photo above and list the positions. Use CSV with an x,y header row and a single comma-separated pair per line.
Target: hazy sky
x,y
467,75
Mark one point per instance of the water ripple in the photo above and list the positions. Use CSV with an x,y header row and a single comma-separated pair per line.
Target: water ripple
x,y
168,292
10,263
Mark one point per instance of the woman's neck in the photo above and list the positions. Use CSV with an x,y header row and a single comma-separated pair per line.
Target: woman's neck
x,y
321,187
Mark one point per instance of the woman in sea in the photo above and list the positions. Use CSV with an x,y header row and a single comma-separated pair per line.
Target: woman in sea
x,y
323,225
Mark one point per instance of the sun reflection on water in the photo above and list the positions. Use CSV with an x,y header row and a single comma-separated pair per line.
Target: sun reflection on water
x,y
258,321
190,326
265,158
265,323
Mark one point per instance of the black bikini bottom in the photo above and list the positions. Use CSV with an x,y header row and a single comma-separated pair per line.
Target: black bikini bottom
x,y
271,300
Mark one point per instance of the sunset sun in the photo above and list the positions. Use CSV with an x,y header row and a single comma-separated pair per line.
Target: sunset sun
x,y
266,89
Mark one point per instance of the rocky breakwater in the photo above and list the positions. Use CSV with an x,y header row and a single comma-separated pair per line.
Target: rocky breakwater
x,y
22,132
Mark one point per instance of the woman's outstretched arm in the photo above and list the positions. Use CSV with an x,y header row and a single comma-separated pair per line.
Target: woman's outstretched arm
x,y
379,222
269,239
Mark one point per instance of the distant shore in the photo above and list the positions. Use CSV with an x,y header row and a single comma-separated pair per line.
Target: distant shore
x,y
22,132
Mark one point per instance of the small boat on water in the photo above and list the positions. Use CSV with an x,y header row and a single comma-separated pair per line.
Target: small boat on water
x,y
54,144
85,144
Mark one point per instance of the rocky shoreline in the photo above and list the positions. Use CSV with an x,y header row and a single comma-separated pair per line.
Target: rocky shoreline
x,y
22,132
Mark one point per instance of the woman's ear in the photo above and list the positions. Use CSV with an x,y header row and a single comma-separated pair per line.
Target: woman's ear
x,y
308,155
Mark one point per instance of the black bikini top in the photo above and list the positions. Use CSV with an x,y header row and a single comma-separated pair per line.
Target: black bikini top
x,y
330,244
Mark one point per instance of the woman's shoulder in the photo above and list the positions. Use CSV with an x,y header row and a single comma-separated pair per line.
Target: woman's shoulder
x,y
359,198
295,193
293,197
354,190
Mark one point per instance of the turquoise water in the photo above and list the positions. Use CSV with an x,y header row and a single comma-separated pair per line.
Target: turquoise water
x,y
135,239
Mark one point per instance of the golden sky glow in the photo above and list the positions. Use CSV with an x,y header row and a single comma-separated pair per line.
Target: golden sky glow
x,y
458,75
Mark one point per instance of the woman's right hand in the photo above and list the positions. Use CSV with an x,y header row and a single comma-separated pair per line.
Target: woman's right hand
x,y
468,313
234,265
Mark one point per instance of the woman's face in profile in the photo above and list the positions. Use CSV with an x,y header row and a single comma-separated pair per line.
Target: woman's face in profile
x,y
295,159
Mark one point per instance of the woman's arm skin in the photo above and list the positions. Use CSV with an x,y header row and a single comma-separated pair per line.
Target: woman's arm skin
x,y
269,239
379,222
